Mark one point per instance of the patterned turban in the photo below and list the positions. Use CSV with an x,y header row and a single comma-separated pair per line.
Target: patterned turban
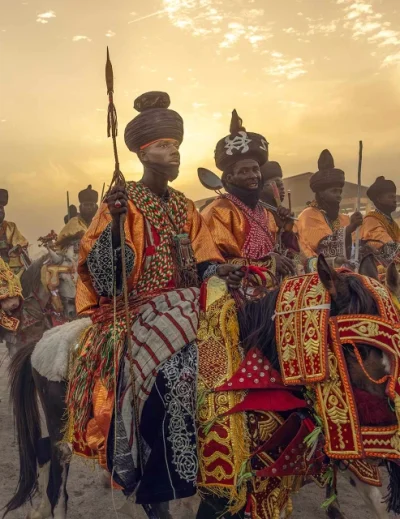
x,y
154,122
88,195
240,145
271,169
3,197
327,175
380,187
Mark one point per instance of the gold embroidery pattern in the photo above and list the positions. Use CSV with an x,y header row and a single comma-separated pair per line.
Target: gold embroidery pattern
x,y
302,334
223,442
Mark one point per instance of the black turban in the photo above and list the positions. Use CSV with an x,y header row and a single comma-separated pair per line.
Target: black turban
x,y
88,195
380,187
271,169
3,197
240,145
327,175
155,121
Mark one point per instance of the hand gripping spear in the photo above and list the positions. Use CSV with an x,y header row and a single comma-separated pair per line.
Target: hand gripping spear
x,y
119,179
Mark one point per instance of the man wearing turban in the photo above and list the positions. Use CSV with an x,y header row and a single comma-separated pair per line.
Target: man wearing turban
x,y
321,228
244,231
78,224
13,246
379,230
169,251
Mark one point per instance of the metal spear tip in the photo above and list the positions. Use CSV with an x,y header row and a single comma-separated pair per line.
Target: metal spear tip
x,y
109,74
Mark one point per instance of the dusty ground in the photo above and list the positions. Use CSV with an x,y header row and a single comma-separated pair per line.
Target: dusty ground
x,y
89,500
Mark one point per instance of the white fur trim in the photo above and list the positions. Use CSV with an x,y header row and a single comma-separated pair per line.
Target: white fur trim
x,y
51,353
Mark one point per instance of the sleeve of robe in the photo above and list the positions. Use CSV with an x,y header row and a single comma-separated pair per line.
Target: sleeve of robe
x,y
312,229
373,229
14,236
97,258
73,230
204,246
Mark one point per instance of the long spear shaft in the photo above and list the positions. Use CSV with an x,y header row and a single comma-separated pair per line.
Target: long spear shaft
x,y
119,179
360,157
68,209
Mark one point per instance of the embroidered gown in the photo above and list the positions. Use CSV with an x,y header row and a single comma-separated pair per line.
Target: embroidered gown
x,y
317,235
164,356
383,234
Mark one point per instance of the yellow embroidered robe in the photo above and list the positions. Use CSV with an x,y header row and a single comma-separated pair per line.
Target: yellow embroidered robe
x,y
316,236
72,232
13,237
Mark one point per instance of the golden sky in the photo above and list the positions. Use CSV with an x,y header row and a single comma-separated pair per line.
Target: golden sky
x,y
307,74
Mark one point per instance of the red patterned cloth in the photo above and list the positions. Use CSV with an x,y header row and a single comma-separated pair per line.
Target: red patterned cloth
x,y
259,241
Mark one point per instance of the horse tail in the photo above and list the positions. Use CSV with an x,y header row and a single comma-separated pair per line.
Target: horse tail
x,y
27,421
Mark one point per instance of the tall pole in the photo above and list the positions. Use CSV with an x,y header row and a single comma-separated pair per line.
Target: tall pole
x,y
68,209
119,179
360,157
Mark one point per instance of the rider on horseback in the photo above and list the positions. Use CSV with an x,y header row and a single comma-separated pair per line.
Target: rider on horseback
x,y
13,246
379,230
321,227
169,251
244,231
76,226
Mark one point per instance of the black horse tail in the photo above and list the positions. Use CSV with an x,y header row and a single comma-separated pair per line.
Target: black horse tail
x,y
392,499
27,421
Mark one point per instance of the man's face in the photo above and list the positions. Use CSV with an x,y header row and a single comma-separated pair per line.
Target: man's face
x,y
268,190
388,202
2,213
332,195
246,174
88,210
164,154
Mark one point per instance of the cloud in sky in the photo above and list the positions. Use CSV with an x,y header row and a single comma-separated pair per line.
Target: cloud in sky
x,y
365,22
285,68
80,38
110,34
45,17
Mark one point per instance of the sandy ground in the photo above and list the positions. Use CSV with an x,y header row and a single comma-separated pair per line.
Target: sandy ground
x,y
88,499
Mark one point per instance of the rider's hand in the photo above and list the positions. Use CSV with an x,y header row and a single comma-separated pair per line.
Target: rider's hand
x,y
117,201
284,266
282,216
231,274
355,221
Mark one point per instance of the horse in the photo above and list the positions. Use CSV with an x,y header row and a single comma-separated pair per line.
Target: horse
x,y
371,495
348,296
49,289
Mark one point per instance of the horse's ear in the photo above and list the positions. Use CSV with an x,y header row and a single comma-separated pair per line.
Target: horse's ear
x,y
327,275
368,267
393,279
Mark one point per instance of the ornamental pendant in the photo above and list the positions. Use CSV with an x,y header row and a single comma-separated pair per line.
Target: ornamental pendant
x,y
185,261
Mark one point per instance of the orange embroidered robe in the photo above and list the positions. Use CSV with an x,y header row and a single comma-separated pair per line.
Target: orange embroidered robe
x,y
382,234
228,226
87,299
316,236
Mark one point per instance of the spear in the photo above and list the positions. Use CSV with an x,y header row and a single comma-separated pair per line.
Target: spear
x,y
119,179
360,156
68,209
